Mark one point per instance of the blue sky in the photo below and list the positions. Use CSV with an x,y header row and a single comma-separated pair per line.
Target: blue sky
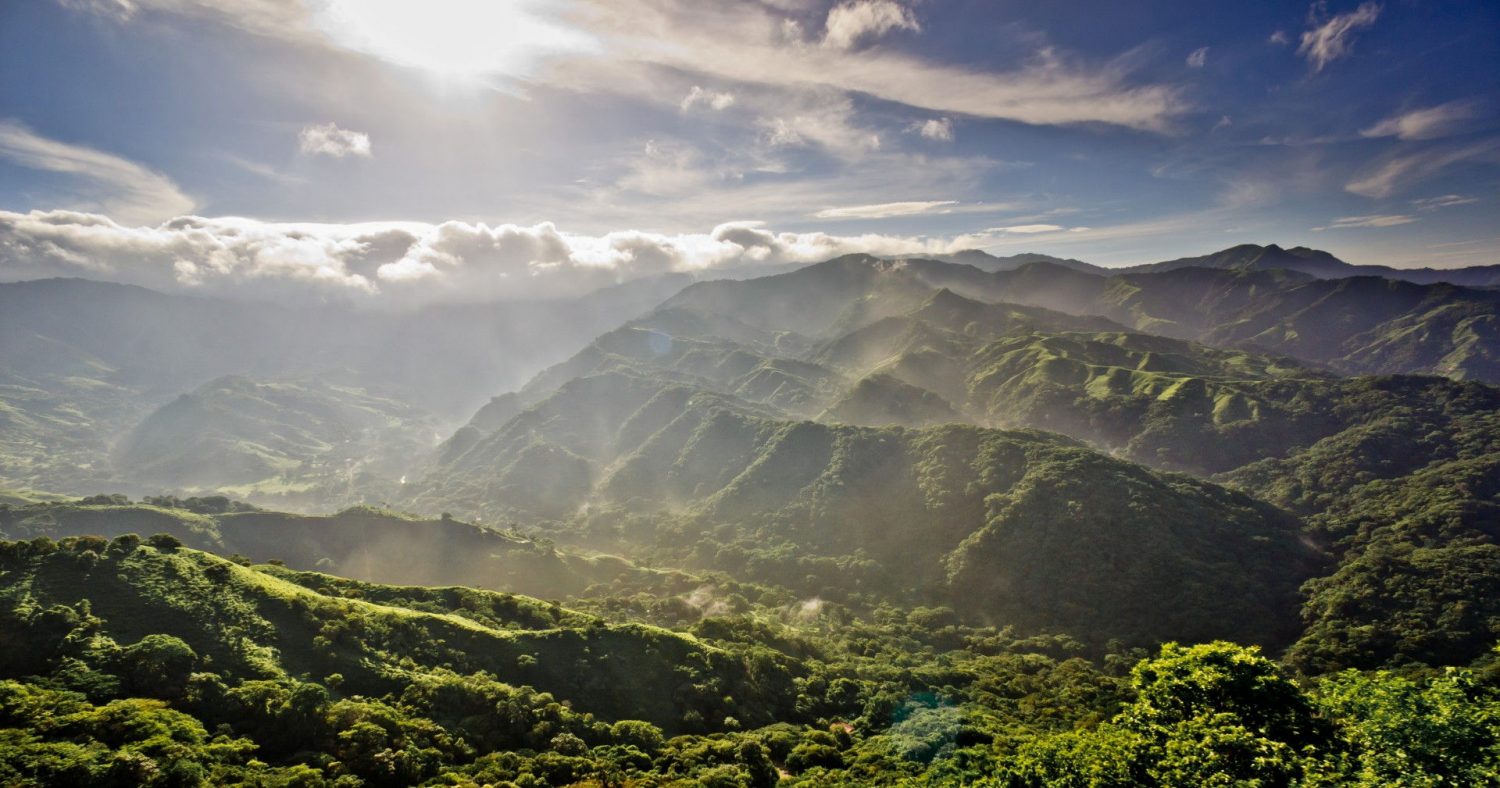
x,y
454,146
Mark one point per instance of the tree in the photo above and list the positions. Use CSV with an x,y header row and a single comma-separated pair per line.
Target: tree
x,y
164,542
158,666
1211,714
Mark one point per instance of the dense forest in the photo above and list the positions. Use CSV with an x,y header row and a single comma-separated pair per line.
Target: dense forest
x,y
1231,520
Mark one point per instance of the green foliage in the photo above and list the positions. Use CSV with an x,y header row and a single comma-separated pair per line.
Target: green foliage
x,y
1216,714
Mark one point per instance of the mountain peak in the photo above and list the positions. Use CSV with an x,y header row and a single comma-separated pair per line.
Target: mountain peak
x,y
1255,257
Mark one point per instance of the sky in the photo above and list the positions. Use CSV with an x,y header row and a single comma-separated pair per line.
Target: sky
x,y
417,152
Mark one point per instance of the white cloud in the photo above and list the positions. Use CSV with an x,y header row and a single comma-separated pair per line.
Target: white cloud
x,y
109,183
1028,229
886,210
1443,201
621,46
1050,90
1333,38
1361,222
820,121
940,129
1398,171
394,263
1198,58
851,22
1279,38
713,99
1424,124
327,139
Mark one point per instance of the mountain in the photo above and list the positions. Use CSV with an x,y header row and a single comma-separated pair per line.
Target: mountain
x,y
985,261
863,522
1357,325
361,542
82,362
1314,262
1011,527
268,440
626,423
1252,257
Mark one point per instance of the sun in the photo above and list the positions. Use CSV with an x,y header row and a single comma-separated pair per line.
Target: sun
x,y
453,38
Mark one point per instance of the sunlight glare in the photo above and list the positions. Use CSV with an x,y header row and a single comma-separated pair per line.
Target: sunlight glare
x,y
453,38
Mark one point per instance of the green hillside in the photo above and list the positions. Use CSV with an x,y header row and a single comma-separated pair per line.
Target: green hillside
x,y
659,425
285,442
1001,524
154,664
360,542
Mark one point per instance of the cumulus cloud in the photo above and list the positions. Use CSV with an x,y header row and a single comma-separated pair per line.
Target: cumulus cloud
x,y
327,139
1362,222
105,182
713,99
822,122
849,23
1198,58
940,129
1333,38
886,210
395,263
1424,124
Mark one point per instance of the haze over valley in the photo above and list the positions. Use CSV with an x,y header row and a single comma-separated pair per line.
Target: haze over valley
x,y
746,394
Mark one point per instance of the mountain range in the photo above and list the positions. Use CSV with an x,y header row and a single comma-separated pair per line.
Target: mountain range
x,y
865,521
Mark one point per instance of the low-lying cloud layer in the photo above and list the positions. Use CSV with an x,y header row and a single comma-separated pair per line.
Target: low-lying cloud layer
x,y
394,263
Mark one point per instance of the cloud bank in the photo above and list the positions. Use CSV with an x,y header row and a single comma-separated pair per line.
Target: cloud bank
x,y
395,264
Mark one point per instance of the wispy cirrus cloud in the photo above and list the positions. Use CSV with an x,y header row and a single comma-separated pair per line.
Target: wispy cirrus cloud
x,y
105,182
886,210
1029,229
1443,201
1400,170
1425,124
1366,222
1332,37
604,45
1198,58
